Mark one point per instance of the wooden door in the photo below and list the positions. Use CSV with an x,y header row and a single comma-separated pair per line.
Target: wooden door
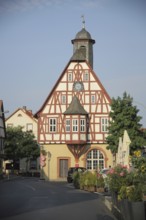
x,y
63,167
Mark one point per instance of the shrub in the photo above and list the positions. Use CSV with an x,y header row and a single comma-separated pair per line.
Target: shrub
x,y
76,180
100,182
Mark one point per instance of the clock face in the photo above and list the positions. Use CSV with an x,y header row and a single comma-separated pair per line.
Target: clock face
x,y
78,86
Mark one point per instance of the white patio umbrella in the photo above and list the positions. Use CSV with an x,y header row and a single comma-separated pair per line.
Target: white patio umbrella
x,y
125,148
119,153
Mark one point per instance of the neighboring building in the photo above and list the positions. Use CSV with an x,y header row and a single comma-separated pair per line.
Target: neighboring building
x,y
24,118
72,122
2,135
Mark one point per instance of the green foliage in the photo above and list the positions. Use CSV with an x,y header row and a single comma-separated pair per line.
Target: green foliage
x,y
128,184
117,178
133,193
139,162
90,179
76,179
20,144
124,116
100,182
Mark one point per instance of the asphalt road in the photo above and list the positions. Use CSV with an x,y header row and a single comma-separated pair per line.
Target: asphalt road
x,y
31,198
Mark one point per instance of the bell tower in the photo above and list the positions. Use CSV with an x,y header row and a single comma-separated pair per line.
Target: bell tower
x,y
83,45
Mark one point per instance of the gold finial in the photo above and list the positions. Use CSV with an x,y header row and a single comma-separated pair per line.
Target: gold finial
x,y
83,21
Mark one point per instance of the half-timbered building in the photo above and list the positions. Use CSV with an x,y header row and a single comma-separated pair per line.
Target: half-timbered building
x,y
72,122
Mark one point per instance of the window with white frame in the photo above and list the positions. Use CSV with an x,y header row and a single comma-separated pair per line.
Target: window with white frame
x,y
52,124
86,75
95,160
104,124
69,76
67,125
74,125
92,98
63,99
29,127
82,125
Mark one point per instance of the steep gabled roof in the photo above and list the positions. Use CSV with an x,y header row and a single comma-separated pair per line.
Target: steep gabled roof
x,y
25,111
75,108
36,115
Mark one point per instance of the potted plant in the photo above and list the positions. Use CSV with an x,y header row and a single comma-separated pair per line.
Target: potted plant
x,y
100,182
116,178
88,181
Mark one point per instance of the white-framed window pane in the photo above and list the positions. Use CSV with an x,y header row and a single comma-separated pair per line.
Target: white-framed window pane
x,y
63,99
95,154
70,76
92,98
95,164
82,125
104,124
29,127
75,125
89,165
101,164
52,124
86,75
68,125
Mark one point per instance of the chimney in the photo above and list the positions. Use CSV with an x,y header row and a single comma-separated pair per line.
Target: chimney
x,y
24,107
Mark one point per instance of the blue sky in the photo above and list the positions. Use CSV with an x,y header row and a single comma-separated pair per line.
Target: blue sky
x,y
35,47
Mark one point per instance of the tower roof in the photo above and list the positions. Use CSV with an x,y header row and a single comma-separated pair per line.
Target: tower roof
x,y
83,34
75,108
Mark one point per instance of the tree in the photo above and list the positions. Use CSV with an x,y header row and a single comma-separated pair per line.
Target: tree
x,y
124,116
20,144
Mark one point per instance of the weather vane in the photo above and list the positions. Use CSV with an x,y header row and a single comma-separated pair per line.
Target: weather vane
x,y
83,21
